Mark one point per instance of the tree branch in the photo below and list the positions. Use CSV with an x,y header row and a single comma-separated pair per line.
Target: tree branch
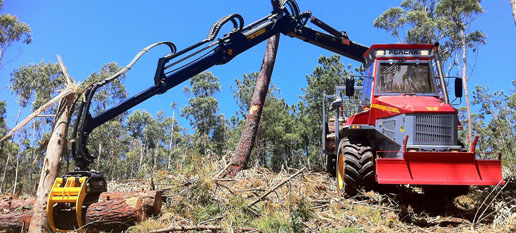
x,y
276,187
203,228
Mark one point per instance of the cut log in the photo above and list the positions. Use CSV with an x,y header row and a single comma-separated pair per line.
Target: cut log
x,y
330,135
331,124
151,200
8,205
15,222
114,212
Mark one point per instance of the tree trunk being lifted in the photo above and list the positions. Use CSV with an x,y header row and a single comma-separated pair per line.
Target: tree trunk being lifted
x,y
50,167
114,212
56,147
245,146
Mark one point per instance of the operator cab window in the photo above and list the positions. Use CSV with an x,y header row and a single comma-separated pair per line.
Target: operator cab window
x,y
405,78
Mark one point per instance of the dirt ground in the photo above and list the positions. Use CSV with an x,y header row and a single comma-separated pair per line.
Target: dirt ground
x,y
310,202
199,198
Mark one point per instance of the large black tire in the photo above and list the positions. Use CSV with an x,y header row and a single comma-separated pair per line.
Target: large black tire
x,y
355,166
330,164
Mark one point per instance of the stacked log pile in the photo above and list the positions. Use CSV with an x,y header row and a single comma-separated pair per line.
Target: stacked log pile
x,y
330,136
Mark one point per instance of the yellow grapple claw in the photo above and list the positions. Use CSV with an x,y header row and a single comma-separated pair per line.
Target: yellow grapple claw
x,y
67,190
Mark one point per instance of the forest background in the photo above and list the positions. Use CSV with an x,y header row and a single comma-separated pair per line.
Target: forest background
x,y
206,114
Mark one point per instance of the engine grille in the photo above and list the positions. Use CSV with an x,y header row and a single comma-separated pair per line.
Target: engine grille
x,y
439,129
389,127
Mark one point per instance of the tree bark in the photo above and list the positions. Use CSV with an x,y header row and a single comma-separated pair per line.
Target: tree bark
x,y
513,6
50,167
151,200
245,146
466,93
114,212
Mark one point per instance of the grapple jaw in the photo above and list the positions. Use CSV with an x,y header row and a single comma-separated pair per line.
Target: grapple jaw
x,y
439,168
73,192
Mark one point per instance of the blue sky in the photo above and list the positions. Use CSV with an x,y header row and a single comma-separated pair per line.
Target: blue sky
x,y
91,33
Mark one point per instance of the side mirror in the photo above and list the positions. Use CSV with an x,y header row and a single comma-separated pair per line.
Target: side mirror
x,y
458,87
336,103
350,86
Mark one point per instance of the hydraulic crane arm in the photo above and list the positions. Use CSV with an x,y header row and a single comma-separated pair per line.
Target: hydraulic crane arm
x,y
337,42
285,18
82,187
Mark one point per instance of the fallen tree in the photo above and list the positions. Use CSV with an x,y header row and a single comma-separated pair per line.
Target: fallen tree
x,y
114,212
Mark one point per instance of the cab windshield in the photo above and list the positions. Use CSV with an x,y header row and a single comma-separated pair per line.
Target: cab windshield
x,y
405,78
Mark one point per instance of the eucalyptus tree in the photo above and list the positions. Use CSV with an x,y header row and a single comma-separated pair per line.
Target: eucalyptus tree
x,y
136,124
3,145
35,85
497,114
174,138
448,22
11,30
202,109
106,141
3,125
459,15
155,135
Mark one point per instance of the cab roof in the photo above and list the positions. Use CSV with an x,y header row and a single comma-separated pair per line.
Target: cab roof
x,y
398,50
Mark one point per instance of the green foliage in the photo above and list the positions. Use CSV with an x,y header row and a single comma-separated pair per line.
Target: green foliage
x,y
289,135
430,21
277,140
106,141
37,83
203,213
110,94
202,113
34,84
11,30
203,106
272,222
3,126
346,230
302,213
329,73
495,123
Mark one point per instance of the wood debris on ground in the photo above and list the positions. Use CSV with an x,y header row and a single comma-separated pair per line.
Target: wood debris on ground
x,y
195,198
310,202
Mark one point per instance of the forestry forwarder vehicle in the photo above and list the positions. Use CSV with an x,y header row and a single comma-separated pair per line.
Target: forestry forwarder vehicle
x,y
76,190
402,129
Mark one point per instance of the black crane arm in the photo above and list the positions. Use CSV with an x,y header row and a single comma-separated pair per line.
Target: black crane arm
x,y
285,18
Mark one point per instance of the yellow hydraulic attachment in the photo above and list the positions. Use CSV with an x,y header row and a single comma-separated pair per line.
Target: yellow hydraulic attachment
x,y
70,190
74,192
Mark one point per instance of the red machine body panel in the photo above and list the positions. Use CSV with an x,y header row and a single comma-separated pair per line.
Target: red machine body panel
x,y
414,104
439,168
419,167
